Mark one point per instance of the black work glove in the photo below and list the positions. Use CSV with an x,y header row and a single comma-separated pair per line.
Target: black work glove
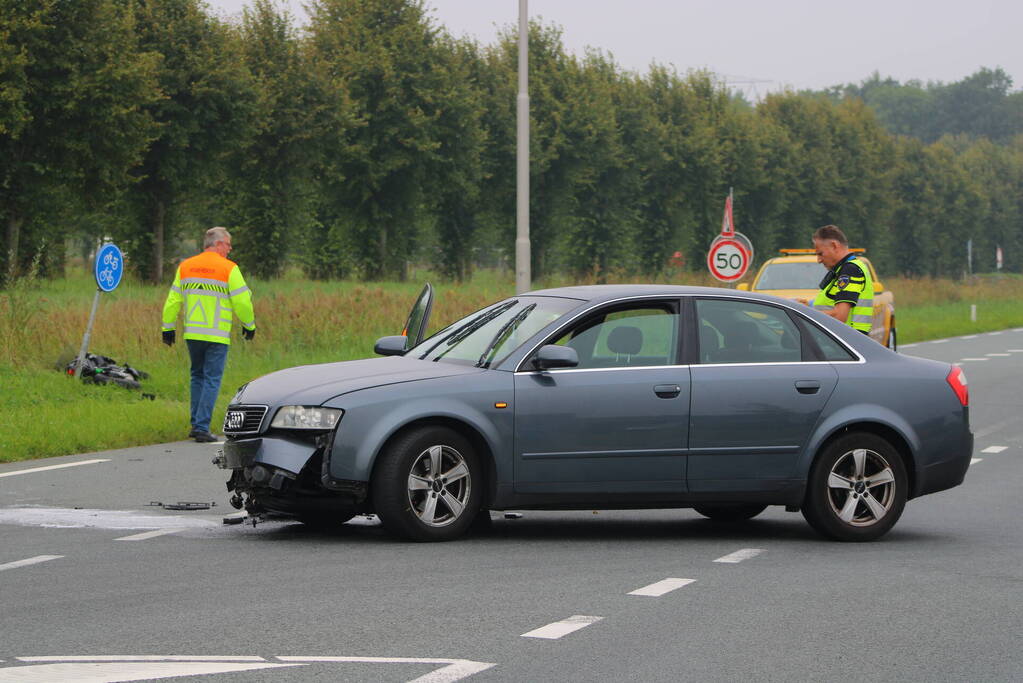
x,y
248,334
168,337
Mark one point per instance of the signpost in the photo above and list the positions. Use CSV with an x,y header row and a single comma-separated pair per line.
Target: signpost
x,y
108,270
731,252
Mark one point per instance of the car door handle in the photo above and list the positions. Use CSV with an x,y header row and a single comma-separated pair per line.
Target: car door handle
x,y
808,386
667,390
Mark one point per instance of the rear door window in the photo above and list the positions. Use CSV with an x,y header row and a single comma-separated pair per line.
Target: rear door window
x,y
738,331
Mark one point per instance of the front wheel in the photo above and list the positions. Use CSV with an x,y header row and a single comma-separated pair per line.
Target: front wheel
x,y
857,488
427,485
730,513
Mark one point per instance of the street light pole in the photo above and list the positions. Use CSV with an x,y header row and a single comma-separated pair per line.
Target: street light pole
x,y
523,275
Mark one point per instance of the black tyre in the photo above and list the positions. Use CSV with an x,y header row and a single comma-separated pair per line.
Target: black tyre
x,y
730,513
893,339
857,488
427,485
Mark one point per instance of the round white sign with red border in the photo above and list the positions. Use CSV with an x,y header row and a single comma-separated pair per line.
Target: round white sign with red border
x,y
730,257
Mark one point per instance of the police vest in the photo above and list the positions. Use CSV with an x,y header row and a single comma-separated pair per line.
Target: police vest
x,y
213,291
849,281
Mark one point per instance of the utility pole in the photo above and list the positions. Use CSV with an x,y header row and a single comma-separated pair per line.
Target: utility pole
x,y
523,274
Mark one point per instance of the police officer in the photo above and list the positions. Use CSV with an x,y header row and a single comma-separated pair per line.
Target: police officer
x,y
846,292
213,291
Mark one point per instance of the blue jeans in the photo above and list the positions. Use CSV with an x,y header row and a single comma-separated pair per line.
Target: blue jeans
x,y
208,361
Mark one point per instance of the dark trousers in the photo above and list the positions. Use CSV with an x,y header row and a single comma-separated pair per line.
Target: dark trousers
x,y
208,361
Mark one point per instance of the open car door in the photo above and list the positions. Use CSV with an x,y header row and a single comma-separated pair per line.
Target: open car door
x,y
418,317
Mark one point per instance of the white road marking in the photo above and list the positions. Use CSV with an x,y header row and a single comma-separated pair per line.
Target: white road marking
x,y
52,467
991,334
939,341
456,669
1014,350
30,561
562,628
974,359
997,354
908,346
740,555
149,534
969,336
973,461
65,518
144,658
656,590
115,671
995,449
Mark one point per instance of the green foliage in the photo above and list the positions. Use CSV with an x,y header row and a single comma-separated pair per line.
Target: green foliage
x,y
371,142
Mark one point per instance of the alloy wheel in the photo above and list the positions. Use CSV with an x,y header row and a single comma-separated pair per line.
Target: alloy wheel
x,y
861,487
439,485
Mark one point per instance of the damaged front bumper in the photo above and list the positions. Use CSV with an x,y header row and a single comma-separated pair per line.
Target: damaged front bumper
x,y
286,475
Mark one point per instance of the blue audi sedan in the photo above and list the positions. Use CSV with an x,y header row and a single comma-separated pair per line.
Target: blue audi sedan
x,y
604,397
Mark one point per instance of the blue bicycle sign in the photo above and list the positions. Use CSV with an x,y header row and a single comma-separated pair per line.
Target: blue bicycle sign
x,y
109,267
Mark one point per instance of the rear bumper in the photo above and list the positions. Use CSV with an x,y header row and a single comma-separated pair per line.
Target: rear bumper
x,y
946,473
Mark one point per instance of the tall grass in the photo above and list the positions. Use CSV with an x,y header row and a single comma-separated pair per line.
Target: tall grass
x,y
45,413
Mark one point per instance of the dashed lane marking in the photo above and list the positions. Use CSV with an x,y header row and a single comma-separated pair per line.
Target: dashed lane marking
x,y
974,461
940,341
656,590
991,334
997,354
974,359
53,467
562,628
969,336
740,555
149,534
1014,350
994,449
30,561
908,346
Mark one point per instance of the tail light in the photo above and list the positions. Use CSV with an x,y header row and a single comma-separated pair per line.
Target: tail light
x,y
957,380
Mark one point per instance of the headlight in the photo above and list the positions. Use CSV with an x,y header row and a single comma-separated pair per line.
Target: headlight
x,y
306,417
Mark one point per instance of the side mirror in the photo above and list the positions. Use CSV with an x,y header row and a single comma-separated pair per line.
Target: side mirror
x,y
743,286
554,356
878,288
390,346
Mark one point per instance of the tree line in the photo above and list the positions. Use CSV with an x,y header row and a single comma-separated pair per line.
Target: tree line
x,y
370,138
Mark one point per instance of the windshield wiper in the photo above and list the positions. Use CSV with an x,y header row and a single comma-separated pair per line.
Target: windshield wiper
x,y
470,327
503,333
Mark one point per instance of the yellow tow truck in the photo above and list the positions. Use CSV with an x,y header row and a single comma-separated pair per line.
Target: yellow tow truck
x,y
796,274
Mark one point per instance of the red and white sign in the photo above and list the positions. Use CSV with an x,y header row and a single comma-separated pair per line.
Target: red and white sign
x,y
731,253
728,258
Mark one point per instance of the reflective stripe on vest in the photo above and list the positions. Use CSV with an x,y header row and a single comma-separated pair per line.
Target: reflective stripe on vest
x,y
862,314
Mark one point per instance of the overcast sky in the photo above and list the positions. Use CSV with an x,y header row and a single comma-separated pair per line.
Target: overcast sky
x,y
763,45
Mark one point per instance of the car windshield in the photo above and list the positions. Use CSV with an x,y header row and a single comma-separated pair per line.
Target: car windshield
x,y
487,336
791,276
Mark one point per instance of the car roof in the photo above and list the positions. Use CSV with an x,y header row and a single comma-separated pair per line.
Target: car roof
x,y
598,293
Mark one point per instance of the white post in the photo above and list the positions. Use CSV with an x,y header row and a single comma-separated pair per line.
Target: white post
x,y
85,338
523,275
973,313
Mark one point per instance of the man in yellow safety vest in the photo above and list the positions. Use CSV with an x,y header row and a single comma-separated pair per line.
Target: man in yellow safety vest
x,y
213,291
847,292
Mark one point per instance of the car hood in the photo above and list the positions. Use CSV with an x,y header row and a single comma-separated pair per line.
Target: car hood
x,y
789,293
315,384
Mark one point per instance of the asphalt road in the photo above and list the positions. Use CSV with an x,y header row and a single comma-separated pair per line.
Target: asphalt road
x,y
96,585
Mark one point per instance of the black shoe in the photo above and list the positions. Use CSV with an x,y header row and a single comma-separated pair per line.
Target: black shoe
x,y
192,433
205,437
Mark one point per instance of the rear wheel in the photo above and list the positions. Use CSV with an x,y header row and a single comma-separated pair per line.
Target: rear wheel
x,y
857,488
427,485
730,513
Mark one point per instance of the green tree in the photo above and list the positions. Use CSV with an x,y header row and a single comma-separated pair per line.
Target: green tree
x,y
206,110
73,87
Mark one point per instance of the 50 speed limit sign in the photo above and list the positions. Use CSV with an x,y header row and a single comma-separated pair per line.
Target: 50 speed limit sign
x,y
729,257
